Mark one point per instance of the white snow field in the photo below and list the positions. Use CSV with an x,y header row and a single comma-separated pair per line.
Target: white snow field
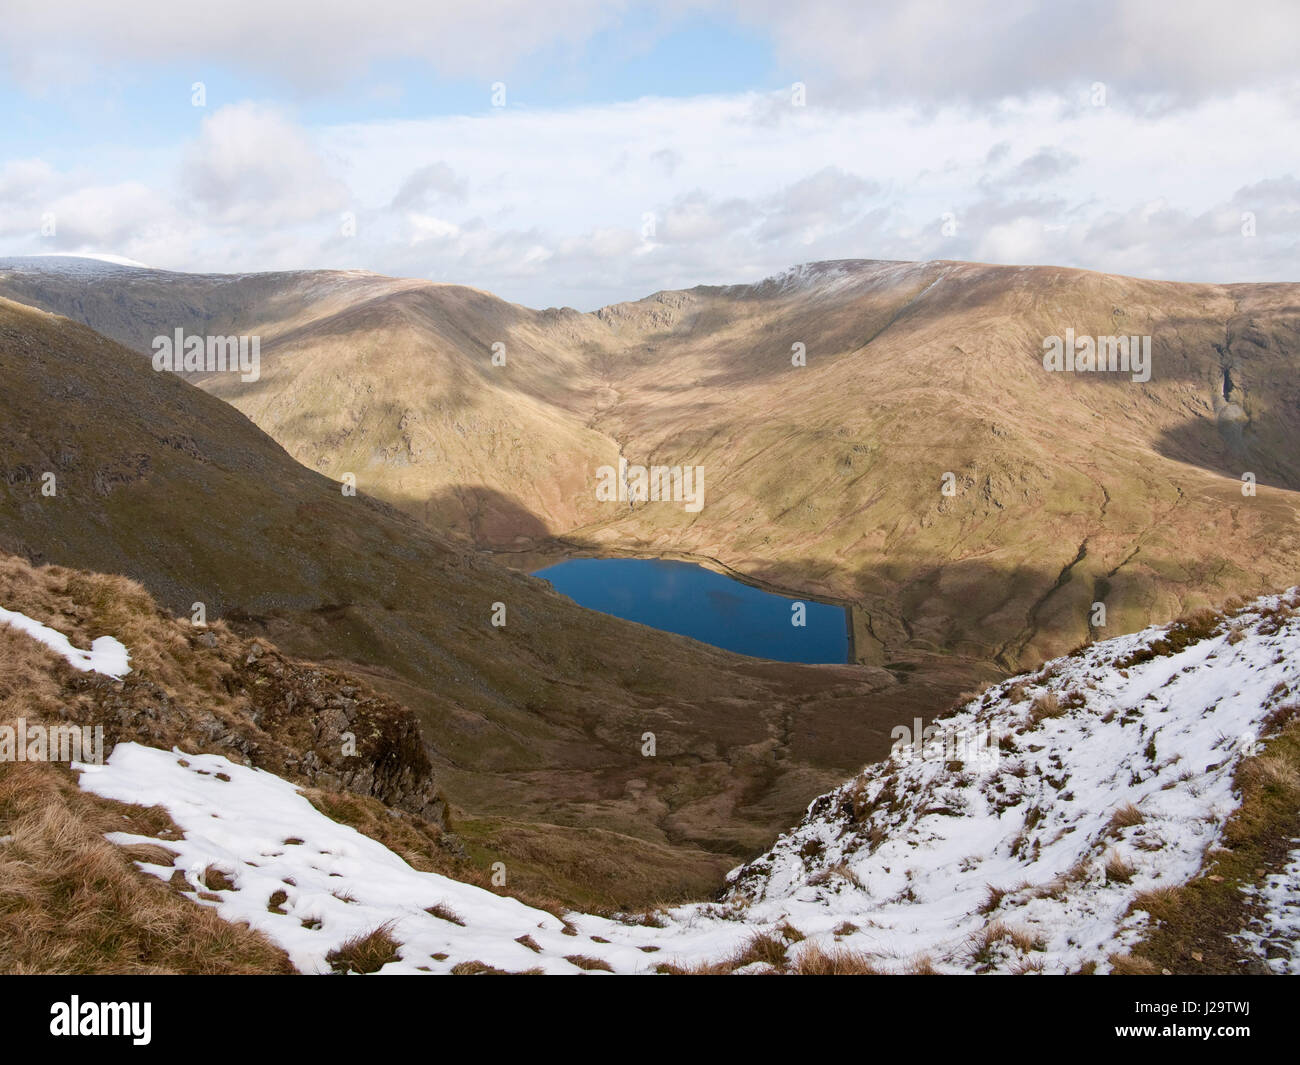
x,y
107,655
897,864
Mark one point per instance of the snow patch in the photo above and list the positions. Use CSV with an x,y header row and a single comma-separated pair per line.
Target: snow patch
x,y
106,655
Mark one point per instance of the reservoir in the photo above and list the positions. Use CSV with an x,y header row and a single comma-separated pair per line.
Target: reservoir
x,y
692,601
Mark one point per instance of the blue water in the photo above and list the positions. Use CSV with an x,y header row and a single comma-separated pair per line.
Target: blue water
x,y
687,599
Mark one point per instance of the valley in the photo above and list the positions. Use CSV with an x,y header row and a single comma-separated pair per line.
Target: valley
x,y
912,469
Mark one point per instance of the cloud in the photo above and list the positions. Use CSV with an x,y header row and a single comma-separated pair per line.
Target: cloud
x,y
978,51
821,202
1156,52
1045,164
427,185
310,46
496,208
666,158
24,181
251,165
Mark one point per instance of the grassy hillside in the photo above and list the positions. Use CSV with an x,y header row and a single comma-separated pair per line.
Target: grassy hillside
x,y
824,479
535,727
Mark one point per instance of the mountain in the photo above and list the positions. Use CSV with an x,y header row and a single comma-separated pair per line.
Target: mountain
x,y
1124,786
826,479
535,728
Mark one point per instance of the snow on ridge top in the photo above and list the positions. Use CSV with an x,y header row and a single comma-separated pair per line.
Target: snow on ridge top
x,y
106,655
75,263
827,277
1013,860
115,260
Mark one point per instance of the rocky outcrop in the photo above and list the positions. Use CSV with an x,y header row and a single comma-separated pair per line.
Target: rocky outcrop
x,y
295,719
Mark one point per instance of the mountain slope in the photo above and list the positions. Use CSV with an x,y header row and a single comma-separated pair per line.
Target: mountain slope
x,y
1111,777
824,479
535,727
1114,777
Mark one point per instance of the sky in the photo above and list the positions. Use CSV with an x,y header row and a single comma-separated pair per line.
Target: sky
x,y
583,152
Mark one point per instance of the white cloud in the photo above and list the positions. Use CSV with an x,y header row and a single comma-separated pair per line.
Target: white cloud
x,y
1148,52
847,52
312,46
252,166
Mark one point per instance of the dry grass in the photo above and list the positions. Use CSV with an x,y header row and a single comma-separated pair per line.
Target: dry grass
x,y
705,968
1132,965
1118,870
816,960
477,968
768,949
366,952
445,913
1047,705
1126,816
70,902
1177,637
993,897
985,945
583,961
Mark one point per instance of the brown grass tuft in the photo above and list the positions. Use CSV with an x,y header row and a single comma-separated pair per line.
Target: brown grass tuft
x,y
816,960
583,961
366,952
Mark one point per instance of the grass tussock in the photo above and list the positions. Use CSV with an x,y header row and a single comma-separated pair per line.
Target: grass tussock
x,y
445,913
1118,869
588,964
477,968
1184,632
1126,816
996,940
1046,706
707,968
367,952
816,960
764,948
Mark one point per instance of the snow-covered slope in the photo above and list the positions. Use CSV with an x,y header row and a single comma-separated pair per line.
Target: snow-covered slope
x,y
74,264
1274,934
1135,774
259,832
1110,773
